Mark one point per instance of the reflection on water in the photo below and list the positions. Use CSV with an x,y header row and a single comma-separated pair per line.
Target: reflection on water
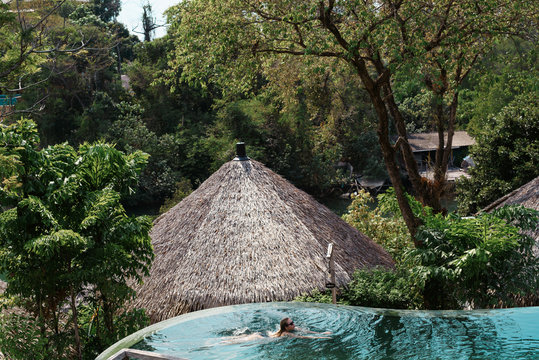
x,y
358,333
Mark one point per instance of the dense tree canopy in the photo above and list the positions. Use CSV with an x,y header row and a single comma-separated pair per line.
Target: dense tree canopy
x,y
65,233
506,155
234,41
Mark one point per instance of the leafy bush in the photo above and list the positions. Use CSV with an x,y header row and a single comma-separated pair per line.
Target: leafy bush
x,y
481,262
318,296
382,288
476,262
183,189
373,288
21,338
379,223
66,240
96,337
506,155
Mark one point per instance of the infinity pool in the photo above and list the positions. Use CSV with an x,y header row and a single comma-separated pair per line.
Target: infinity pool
x,y
358,333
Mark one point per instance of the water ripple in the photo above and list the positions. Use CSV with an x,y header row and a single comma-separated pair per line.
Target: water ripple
x,y
357,333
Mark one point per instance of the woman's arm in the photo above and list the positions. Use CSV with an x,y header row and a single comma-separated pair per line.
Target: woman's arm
x,y
306,337
313,332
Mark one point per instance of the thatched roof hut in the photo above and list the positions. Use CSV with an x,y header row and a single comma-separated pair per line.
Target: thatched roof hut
x,y
528,196
247,235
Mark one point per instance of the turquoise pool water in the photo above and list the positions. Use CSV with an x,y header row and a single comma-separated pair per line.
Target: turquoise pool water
x,y
358,333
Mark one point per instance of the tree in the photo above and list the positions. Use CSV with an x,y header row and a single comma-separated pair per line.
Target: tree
x,y
506,155
30,46
65,233
76,107
148,22
230,42
107,10
481,262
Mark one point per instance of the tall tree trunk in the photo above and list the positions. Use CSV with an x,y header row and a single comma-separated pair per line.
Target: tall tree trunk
x,y
108,317
388,151
425,190
78,347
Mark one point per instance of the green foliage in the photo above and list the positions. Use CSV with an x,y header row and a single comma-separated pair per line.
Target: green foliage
x,y
233,44
107,10
320,297
506,155
130,133
92,327
18,55
384,289
508,71
65,231
479,262
380,288
379,223
183,189
21,339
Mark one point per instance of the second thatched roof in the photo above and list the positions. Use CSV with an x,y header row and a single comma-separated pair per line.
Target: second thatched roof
x,y
247,235
528,196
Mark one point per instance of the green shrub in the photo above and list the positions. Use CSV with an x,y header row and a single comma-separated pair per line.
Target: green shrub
x,y
476,262
380,223
21,338
480,262
183,189
96,337
382,288
318,296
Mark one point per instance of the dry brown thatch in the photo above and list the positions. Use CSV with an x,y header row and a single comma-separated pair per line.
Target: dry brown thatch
x,y
528,196
247,235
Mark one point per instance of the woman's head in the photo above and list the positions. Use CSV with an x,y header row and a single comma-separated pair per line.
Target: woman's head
x,y
287,324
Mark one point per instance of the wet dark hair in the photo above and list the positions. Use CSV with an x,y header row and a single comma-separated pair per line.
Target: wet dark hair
x,y
282,326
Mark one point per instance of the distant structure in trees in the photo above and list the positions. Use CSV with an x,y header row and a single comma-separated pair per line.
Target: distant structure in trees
x,y
424,148
7,105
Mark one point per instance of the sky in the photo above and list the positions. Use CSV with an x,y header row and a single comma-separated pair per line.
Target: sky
x,y
131,14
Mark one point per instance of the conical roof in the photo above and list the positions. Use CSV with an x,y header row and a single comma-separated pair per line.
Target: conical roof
x,y
247,235
528,196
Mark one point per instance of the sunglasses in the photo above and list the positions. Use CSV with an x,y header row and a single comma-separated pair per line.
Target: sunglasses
x,y
289,324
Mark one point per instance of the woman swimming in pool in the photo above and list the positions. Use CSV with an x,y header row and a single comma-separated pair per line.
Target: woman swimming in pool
x,y
286,328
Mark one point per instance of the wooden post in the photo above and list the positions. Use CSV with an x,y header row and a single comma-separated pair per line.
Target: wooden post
x,y
331,269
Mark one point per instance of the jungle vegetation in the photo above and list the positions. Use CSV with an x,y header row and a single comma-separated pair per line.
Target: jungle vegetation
x,y
306,85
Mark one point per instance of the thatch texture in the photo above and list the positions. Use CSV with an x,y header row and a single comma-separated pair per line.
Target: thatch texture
x,y
247,235
528,196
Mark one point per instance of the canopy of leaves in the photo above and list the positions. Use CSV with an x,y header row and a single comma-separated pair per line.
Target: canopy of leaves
x,y
229,40
479,262
506,155
65,230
